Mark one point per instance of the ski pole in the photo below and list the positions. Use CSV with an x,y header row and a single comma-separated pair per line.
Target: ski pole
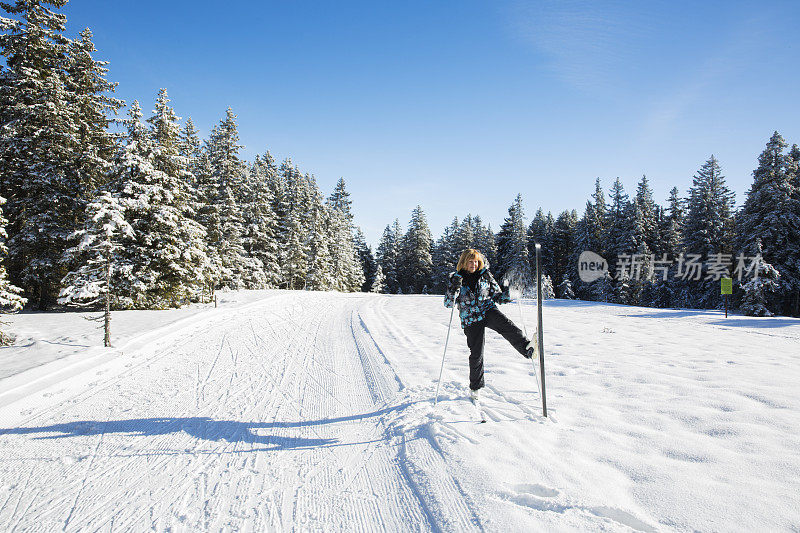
x,y
525,329
447,340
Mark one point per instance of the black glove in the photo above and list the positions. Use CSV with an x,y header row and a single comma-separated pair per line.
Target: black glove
x,y
455,283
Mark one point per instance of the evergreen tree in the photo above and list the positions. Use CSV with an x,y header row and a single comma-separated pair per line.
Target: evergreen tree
x,y
619,241
349,274
38,134
771,215
92,104
233,196
672,227
340,199
166,256
207,213
90,285
388,257
446,252
562,248
10,295
671,291
645,233
540,232
261,225
512,248
294,242
565,290
377,284
760,291
484,240
708,229
416,261
97,252
369,265
321,268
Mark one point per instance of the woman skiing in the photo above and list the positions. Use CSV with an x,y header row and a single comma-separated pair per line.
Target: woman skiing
x,y
473,288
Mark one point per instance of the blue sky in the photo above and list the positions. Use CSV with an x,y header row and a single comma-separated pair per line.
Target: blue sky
x,y
459,106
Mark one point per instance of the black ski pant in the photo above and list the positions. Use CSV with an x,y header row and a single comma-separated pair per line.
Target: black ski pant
x,y
476,336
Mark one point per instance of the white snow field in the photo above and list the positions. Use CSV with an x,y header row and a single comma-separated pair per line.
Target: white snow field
x,y
302,411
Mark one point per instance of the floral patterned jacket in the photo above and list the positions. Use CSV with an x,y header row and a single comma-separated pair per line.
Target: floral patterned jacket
x,y
473,305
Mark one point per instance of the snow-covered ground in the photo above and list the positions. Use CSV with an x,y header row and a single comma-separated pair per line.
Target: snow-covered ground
x,y
313,411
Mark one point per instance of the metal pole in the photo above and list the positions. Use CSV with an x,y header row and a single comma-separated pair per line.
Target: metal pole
x,y
539,323
447,340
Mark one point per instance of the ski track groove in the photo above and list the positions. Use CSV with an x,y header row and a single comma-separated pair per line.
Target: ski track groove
x,y
313,377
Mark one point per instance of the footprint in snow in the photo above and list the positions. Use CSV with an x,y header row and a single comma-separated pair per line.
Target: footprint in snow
x,y
540,498
537,490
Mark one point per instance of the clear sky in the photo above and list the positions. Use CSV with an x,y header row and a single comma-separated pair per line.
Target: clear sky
x,y
458,106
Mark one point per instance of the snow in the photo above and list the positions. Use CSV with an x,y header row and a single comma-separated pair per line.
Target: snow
x,y
287,410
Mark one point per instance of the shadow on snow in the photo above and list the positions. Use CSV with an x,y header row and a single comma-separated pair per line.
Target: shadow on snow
x,y
199,427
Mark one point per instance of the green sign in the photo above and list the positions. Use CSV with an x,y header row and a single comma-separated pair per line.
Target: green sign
x,y
727,285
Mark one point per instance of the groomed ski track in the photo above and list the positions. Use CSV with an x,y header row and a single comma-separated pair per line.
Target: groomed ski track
x,y
273,417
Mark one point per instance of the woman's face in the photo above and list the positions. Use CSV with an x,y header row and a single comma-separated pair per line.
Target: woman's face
x,y
472,265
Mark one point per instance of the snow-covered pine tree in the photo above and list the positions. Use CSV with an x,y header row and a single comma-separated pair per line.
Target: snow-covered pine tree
x,y
670,291
565,290
388,255
484,240
348,272
228,170
672,227
293,229
793,303
10,295
445,255
771,214
548,292
199,185
321,270
190,267
38,134
377,284
416,263
645,238
92,104
98,260
165,254
708,229
348,275
760,292
189,145
260,223
207,213
540,232
646,233
619,239
588,237
562,249
512,248
340,199
464,236
597,219
237,267
367,259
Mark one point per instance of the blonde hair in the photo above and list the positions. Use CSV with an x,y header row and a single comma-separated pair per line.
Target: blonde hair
x,y
466,255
